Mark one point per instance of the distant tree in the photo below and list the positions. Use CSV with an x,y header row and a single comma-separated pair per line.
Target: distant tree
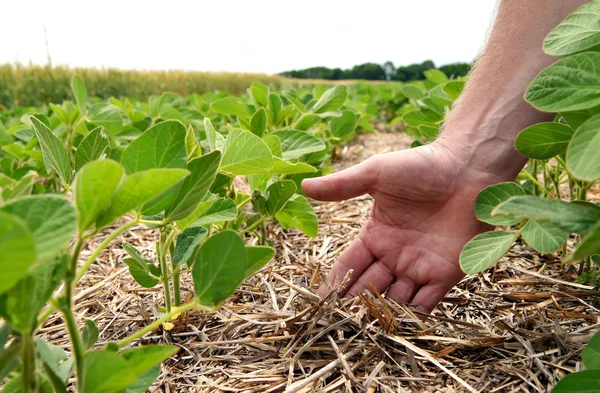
x,y
389,69
456,69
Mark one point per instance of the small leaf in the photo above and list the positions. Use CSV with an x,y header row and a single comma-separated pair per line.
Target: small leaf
x,y
544,140
94,186
231,106
107,116
51,219
219,210
193,188
79,91
258,257
278,194
544,237
21,188
162,146
420,117
492,196
411,91
281,167
260,92
245,154
258,122
298,213
591,353
436,76
186,244
580,31
344,125
587,381
589,245
484,250
91,147
274,144
568,216
211,134
90,334
219,268
569,84
331,100
295,144
18,250
55,155
582,153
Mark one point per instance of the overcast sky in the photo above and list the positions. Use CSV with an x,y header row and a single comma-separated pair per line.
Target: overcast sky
x,y
267,36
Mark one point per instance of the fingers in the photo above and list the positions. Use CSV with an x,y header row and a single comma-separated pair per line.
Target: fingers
x,y
428,296
356,257
346,184
402,290
377,275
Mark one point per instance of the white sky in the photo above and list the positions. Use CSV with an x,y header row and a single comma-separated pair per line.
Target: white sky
x,y
253,36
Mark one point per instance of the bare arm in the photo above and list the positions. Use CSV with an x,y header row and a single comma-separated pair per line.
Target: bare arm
x,y
491,111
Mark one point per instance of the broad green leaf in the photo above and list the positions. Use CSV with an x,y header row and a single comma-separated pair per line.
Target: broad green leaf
x,y
79,91
580,31
258,257
259,203
245,154
18,250
282,167
51,219
544,140
568,216
412,91
21,188
331,100
258,122
544,237
589,245
91,147
591,354
211,134
231,106
436,76
142,270
278,194
422,116
137,189
344,125
454,88
186,244
298,213
570,84
142,359
274,106
484,250
429,132
145,381
583,157
162,146
587,381
577,118
219,267
90,334
274,144
190,141
219,210
260,92
94,186
295,144
293,98
107,116
55,155
492,196
57,365
193,188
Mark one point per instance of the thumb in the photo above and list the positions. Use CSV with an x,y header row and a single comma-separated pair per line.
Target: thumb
x,y
346,184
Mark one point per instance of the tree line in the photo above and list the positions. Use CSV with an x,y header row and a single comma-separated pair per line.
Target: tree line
x,y
374,71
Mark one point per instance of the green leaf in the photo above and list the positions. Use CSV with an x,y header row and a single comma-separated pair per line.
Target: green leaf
x,y
582,153
295,144
107,116
260,92
274,106
137,189
436,76
105,372
580,31
258,122
190,141
282,167
544,140
142,359
219,267
422,116
186,244
18,250
231,106
142,270
484,250
54,152
577,118
193,188
278,194
568,216
57,365
589,245
298,213
91,147
79,91
21,188
218,210
492,196
162,146
454,88
587,381
211,134
544,237
258,257
591,354
9,358
245,154
570,84
94,186
411,91
274,144
344,125
331,100
51,219
145,381
293,98
90,334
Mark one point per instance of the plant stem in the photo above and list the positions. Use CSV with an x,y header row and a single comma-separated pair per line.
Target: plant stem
x,y
176,287
538,184
28,378
257,223
165,242
169,315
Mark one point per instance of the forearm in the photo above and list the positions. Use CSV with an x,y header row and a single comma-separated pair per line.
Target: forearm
x,y
482,126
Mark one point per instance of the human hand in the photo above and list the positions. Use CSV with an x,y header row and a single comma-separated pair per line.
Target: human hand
x,y
422,217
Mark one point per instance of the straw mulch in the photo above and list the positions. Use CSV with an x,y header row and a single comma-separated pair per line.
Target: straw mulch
x,y
518,327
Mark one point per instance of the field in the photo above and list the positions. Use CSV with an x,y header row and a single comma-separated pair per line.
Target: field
x,y
160,240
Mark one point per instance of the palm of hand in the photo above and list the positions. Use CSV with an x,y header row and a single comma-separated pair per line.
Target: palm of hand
x,y
422,217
